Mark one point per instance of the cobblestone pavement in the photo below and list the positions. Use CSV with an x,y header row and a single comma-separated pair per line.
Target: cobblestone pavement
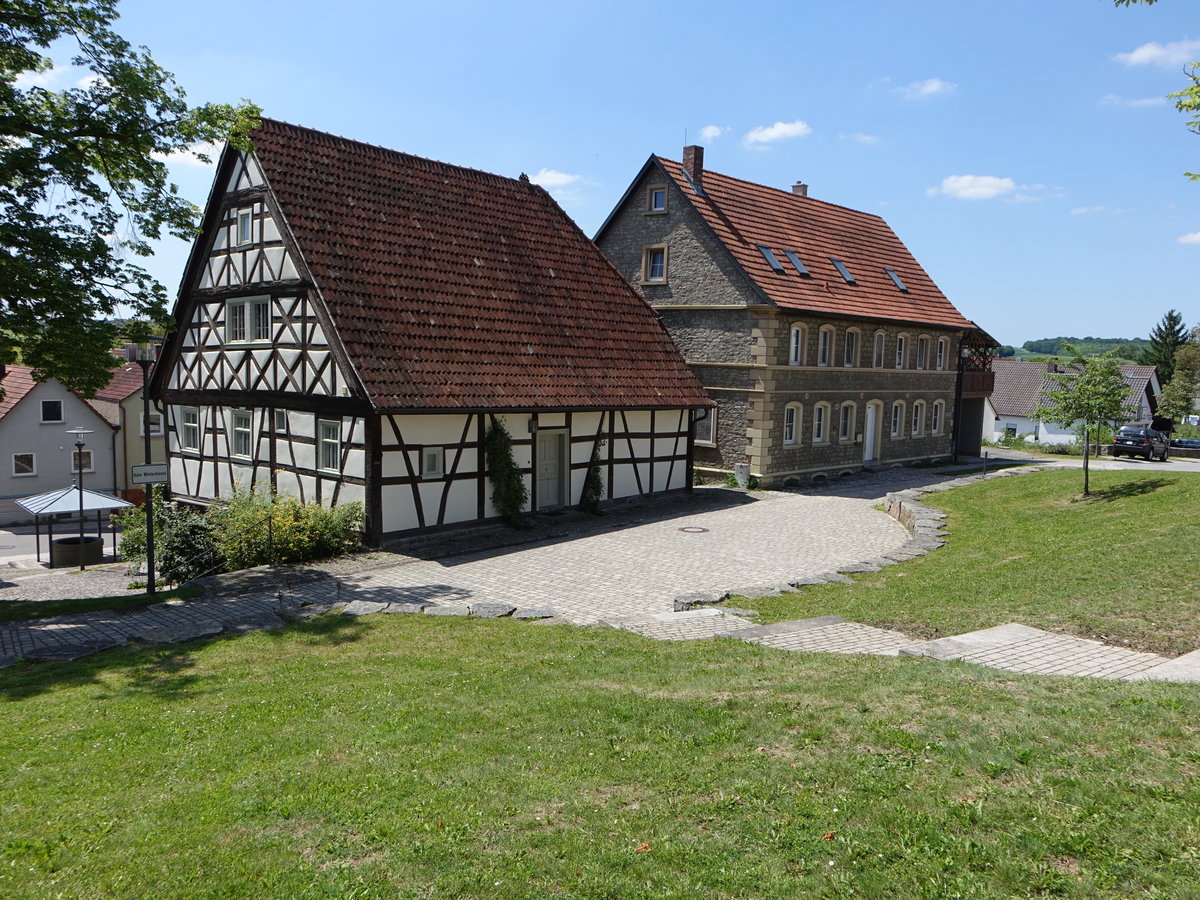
x,y
644,573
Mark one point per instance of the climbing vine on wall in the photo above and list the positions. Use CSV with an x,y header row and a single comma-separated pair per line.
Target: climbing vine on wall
x,y
509,494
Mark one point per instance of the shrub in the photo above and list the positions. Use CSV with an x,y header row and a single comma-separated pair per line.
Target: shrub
x,y
185,544
509,494
270,529
593,483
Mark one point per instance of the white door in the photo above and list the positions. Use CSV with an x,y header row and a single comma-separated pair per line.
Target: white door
x,y
870,450
550,469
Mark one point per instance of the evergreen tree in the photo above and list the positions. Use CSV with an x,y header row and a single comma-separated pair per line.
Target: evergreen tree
x,y
1165,338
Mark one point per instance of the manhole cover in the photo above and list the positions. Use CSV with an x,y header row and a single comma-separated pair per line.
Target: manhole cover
x,y
694,529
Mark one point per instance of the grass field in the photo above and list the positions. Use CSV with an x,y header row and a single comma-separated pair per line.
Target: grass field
x,y
405,756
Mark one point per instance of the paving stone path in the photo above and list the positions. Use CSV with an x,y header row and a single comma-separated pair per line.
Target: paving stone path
x,y
657,578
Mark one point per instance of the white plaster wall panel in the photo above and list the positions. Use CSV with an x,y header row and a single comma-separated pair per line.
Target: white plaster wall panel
x,y
206,277
670,446
399,513
273,256
468,461
666,476
639,420
288,483
355,461
552,420
306,456
270,231
288,271
316,336
220,240
624,482
392,464
254,175
462,504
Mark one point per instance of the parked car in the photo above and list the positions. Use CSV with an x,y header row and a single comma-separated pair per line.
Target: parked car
x,y
1186,443
1144,442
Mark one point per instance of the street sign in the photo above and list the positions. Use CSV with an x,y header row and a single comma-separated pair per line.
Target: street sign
x,y
153,473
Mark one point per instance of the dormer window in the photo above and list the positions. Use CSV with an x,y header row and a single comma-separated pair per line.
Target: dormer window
x,y
771,258
245,226
892,274
656,198
842,270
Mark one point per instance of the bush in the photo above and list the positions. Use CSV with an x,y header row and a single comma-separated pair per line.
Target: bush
x,y
185,544
271,529
593,483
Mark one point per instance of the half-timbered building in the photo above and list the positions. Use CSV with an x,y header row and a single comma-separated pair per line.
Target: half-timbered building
x,y
825,344
352,319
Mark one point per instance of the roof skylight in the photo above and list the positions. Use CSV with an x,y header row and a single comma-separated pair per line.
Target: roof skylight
x,y
892,274
842,270
770,257
795,261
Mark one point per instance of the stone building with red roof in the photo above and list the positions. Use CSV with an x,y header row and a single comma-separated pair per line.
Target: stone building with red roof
x,y
825,344
352,319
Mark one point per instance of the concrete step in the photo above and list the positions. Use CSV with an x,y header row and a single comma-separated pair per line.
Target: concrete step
x,y
827,634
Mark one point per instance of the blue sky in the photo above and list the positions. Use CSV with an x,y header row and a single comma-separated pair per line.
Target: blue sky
x,y
1022,150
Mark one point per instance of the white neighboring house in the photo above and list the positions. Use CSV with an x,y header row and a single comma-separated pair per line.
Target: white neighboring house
x,y
352,319
36,453
1011,410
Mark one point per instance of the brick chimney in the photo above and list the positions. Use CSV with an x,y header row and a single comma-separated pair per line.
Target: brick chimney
x,y
693,166
800,189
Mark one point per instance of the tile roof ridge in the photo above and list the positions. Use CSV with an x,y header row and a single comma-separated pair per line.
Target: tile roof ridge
x,y
386,152
782,191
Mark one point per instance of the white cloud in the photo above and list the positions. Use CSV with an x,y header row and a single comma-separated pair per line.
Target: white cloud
x,y
973,187
1097,210
1193,238
1118,100
1177,53
712,132
187,157
930,87
860,137
780,131
46,79
552,178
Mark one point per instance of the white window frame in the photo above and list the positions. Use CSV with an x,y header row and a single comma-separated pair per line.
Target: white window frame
x,y
433,462
942,347
824,345
923,352
850,356
156,420
918,418
241,431
78,456
329,445
648,254
938,417
651,192
821,423
32,473
248,320
797,338
878,356
711,422
847,416
898,419
901,350
243,227
793,419
185,427
62,412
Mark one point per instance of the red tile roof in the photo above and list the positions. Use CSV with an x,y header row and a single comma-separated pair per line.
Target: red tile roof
x,y
454,288
126,379
16,383
743,215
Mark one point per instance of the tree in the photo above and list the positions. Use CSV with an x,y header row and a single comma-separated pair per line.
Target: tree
x,y
1091,393
84,187
1178,399
1187,100
1165,338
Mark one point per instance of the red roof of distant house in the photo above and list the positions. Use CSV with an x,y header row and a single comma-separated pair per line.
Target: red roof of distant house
x,y
744,215
126,379
454,288
16,383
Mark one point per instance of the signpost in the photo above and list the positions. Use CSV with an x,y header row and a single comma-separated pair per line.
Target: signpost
x,y
154,473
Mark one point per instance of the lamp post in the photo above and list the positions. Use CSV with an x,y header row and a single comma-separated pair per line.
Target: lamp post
x,y
79,445
145,359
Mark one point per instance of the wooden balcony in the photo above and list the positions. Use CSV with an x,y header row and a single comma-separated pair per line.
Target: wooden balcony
x,y
978,384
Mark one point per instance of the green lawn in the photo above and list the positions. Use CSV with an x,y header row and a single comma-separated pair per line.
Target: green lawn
x,y
405,756
1119,566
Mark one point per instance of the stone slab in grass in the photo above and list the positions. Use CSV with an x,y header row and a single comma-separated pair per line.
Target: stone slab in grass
x,y
698,598
406,607
450,609
530,613
311,610
261,622
68,652
973,641
492,610
363,608
178,632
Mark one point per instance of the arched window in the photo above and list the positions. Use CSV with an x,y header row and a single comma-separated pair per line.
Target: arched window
x,y
824,345
901,349
937,419
923,352
877,357
850,358
820,423
793,417
797,338
918,417
898,419
942,346
846,422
